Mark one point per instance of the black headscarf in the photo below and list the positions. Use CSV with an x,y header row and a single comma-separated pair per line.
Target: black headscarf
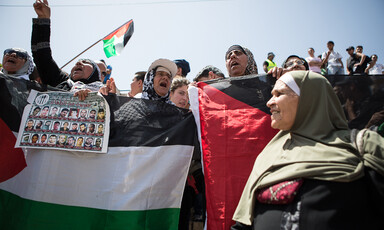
x,y
95,75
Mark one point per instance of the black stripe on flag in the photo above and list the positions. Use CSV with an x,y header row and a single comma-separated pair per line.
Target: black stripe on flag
x,y
140,122
253,90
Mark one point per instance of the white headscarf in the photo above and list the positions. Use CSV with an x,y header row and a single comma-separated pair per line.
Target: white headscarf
x,y
26,69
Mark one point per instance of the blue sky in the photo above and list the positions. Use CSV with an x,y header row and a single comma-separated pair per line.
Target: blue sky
x,y
198,31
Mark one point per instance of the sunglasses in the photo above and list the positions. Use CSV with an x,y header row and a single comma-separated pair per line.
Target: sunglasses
x,y
291,63
9,52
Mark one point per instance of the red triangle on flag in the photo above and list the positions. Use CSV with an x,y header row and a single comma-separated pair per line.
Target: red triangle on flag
x,y
233,134
12,160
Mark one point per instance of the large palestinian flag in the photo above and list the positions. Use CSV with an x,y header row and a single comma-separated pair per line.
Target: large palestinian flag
x,y
138,184
12,160
234,125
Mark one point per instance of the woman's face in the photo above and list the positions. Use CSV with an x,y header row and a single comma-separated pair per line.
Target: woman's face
x,y
82,70
161,83
180,96
283,105
79,142
294,63
236,63
13,61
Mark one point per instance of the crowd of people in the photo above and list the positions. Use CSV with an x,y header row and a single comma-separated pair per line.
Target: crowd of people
x,y
302,101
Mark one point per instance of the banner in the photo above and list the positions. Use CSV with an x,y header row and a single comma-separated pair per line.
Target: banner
x,y
138,184
58,120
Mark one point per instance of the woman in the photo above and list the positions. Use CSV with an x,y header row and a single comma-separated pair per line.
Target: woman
x,y
17,63
310,175
79,142
179,93
292,63
239,61
84,75
157,81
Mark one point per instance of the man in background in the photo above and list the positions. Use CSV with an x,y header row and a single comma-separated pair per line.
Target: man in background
x,y
332,60
137,84
209,73
182,67
269,64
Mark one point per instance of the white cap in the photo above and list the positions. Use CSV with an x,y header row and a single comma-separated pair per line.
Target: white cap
x,y
165,65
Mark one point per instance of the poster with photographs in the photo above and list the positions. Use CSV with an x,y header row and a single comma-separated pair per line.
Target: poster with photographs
x,y
57,120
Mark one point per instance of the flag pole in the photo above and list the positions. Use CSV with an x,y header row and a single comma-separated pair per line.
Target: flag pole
x,y
94,44
81,53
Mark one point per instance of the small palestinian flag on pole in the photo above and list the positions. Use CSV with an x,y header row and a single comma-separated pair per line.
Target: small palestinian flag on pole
x,y
115,42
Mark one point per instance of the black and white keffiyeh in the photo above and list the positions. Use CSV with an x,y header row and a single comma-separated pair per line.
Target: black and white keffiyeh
x,y
149,91
26,69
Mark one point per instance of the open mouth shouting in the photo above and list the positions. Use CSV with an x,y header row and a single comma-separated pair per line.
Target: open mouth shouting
x,y
12,60
82,70
233,64
161,83
13,64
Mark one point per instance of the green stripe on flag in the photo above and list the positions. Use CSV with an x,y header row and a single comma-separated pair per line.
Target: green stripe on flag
x,y
109,47
22,214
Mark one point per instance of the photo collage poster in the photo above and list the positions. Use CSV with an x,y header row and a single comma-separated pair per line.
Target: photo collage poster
x,y
58,120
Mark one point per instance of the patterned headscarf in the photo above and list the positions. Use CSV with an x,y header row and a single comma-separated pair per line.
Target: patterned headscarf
x,y
251,65
26,69
148,90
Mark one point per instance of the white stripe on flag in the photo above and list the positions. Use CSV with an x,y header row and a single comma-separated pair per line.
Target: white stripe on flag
x,y
193,93
127,178
119,44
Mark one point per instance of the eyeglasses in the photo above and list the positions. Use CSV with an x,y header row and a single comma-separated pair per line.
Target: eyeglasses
x,y
162,74
291,63
9,52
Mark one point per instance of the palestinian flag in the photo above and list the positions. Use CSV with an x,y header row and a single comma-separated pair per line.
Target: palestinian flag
x,y
234,124
12,160
138,184
115,42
